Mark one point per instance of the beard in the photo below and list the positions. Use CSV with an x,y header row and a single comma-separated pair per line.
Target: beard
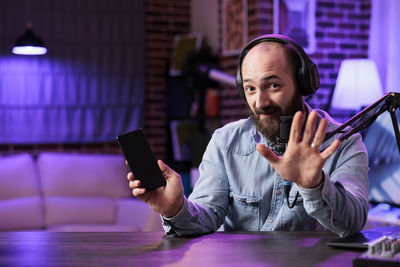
x,y
269,127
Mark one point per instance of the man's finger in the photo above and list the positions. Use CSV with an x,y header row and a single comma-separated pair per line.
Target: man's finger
x,y
295,128
165,169
138,192
134,184
330,149
267,153
310,127
320,134
130,176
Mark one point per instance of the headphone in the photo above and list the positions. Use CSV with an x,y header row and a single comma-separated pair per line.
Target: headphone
x,y
307,74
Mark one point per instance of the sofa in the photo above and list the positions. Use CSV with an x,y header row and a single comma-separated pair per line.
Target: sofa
x,y
70,192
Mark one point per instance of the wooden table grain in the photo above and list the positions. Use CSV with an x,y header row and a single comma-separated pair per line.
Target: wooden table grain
x,y
154,249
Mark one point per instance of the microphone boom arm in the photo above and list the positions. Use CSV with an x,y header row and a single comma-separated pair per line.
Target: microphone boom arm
x,y
389,102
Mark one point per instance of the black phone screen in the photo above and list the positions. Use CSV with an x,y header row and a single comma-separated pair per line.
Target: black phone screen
x,y
141,160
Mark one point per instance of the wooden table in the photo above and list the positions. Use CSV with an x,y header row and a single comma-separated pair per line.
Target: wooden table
x,y
153,249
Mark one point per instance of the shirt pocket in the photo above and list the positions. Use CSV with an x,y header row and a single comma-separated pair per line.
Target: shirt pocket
x,y
244,212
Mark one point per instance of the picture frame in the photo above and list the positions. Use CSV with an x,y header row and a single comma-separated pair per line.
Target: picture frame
x,y
183,46
234,26
182,132
296,19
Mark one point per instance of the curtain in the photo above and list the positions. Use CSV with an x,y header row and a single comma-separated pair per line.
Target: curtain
x,y
90,85
384,42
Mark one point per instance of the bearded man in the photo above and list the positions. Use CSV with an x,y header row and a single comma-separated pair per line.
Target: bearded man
x,y
249,180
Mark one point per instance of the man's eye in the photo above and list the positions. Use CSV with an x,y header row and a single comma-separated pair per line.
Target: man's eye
x,y
274,85
249,89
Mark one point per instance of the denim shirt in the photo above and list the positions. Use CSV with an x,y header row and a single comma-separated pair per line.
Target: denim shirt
x,y
238,190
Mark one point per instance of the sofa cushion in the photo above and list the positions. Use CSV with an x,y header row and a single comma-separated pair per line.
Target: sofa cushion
x,y
83,175
21,213
18,176
76,210
21,205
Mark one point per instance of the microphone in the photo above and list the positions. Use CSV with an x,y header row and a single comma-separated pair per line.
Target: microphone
x,y
284,129
285,122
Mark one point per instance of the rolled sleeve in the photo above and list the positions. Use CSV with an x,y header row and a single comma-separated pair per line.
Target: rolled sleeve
x,y
313,197
168,222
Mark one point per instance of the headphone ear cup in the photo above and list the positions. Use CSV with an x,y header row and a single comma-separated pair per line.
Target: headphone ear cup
x,y
314,78
308,79
302,82
239,84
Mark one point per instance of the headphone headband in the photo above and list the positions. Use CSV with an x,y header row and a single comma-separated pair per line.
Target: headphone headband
x,y
307,74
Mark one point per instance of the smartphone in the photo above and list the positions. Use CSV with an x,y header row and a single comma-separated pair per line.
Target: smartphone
x,y
141,160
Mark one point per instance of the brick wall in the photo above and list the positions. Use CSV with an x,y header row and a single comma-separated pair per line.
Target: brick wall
x,y
164,20
342,31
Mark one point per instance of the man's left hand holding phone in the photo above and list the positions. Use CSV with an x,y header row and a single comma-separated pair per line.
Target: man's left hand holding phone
x,y
152,182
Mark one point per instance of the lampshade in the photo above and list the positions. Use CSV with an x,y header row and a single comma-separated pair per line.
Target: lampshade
x,y
357,85
29,44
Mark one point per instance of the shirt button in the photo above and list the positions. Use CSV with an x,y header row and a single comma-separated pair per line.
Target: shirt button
x,y
271,220
278,193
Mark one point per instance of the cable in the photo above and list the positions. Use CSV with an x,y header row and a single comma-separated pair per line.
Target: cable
x,y
287,186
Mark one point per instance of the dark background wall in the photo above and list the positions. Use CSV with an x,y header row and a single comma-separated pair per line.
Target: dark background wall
x,y
341,32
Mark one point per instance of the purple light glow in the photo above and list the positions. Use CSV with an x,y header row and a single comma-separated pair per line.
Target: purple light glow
x,y
29,248
29,50
308,242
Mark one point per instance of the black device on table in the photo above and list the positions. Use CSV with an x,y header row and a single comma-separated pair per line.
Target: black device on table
x,y
382,245
141,160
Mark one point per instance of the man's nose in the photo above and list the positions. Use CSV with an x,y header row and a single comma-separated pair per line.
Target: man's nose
x,y
262,99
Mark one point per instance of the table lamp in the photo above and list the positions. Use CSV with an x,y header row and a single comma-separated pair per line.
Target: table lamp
x,y
357,86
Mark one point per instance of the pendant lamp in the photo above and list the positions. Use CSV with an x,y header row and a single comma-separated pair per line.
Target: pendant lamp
x,y
29,43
